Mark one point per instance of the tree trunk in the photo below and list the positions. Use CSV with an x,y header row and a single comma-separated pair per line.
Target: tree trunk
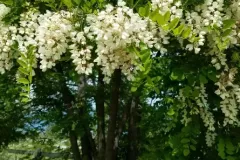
x,y
72,135
86,148
122,122
74,145
68,100
113,110
133,130
100,97
87,142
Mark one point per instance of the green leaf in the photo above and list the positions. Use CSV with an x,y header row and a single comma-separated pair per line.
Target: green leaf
x,y
142,11
167,16
221,148
143,46
145,55
186,32
185,140
229,147
25,100
170,112
177,74
7,2
235,57
212,76
156,90
191,79
195,93
25,88
23,71
134,89
173,24
149,81
226,32
147,10
177,31
187,91
23,80
147,66
23,56
154,15
231,158
228,23
160,20
133,49
203,79
192,147
24,94
22,63
186,152
77,1
68,3
74,124
30,78
193,141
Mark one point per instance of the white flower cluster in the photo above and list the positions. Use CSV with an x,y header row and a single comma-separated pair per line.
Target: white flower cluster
x,y
49,32
211,12
175,7
203,110
185,118
230,97
207,14
206,115
53,37
234,9
230,109
201,100
195,21
208,119
4,10
210,138
5,41
81,54
113,30
27,30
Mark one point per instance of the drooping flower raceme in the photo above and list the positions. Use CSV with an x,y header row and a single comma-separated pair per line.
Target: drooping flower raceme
x,y
53,36
175,7
6,32
4,10
81,53
49,33
26,32
113,30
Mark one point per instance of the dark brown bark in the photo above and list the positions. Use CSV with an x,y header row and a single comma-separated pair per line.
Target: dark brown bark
x,y
113,110
133,130
74,145
123,121
68,100
87,142
88,145
86,148
100,118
